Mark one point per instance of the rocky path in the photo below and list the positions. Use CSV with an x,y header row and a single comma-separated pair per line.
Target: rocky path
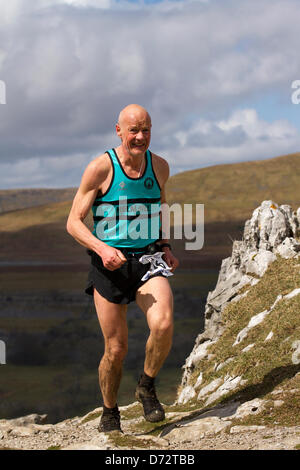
x,y
214,430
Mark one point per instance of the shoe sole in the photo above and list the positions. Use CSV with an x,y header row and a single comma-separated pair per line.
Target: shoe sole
x,y
111,430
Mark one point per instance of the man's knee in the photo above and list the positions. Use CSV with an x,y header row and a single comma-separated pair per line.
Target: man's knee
x,y
116,352
163,327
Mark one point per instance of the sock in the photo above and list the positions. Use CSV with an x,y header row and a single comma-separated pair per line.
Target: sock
x,y
109,410
146,380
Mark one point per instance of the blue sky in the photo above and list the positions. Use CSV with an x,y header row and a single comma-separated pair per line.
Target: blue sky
x,y
214,75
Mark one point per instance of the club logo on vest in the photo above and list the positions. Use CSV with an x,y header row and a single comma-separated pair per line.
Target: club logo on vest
x,y
148,183
122,185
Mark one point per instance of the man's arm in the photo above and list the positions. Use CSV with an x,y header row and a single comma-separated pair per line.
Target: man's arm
x,y
162,172
94,176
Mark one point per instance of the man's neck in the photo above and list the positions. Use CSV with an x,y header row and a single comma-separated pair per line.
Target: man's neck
x,y
132,161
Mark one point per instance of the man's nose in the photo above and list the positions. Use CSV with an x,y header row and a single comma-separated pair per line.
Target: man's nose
x,y
140,135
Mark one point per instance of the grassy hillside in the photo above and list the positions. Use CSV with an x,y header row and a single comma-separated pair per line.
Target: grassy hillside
x,y
229,192
14,199
226,190
267,366
35,216
39,234
232,192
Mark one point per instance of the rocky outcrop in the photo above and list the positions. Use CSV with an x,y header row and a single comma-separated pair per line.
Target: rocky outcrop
x,y
271,231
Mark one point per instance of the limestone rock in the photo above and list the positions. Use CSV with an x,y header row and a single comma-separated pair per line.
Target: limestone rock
x,y
26,420
230,383
269,226
259,262
187,393
240,429
211,387
289,248
22,431
270,336
83,447
296,353
269,233
278,403
196,430
251,407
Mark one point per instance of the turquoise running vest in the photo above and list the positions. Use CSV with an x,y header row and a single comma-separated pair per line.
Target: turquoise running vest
x,y
128,214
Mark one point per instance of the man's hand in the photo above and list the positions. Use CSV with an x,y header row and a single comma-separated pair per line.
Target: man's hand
x,y
170,259
112,258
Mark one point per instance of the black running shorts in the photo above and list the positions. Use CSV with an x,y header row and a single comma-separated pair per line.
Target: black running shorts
x,y
118,286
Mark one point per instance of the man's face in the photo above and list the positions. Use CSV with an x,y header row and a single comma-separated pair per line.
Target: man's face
x,y
134,131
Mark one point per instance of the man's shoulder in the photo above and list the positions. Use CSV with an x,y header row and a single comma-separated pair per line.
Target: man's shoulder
x,y
160,165
97,171
100,164
101,161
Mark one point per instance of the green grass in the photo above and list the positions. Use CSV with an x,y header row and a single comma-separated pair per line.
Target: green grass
x,y
125,440
268,363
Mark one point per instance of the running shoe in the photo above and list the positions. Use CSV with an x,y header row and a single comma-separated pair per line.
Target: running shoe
x,y
110,421
153,411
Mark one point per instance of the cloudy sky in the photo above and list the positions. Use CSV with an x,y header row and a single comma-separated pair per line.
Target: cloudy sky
x,y
215,75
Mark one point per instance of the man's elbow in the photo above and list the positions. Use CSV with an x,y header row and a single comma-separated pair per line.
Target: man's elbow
x,y
69,226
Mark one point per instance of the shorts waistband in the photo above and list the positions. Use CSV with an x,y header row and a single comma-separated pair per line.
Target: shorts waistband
x,y
135,252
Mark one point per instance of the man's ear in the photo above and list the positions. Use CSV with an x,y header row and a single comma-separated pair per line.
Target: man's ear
x,y
118,130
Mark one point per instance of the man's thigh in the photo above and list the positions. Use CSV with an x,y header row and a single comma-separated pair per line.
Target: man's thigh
x,y
112,319
155,298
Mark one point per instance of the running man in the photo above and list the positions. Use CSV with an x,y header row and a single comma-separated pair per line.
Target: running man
x,y
133,174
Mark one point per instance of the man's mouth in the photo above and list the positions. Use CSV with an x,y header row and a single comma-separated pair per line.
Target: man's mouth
x,y
138,145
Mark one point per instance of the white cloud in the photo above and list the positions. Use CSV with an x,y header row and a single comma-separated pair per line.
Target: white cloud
x,y
70,66
256,128
11,10
89,3
38,172
242,136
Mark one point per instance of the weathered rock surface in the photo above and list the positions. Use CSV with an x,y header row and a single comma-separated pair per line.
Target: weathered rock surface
x,y
210,429
271,231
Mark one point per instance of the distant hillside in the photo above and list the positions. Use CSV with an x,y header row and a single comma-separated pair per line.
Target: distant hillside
x,y
39,234
15,199
231,192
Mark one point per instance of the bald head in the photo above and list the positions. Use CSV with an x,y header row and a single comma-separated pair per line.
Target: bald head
x,y
133,112
134,130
